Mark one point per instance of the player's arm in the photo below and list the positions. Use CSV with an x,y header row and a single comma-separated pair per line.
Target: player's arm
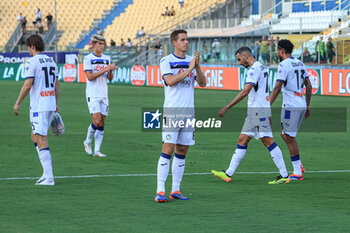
x,y
24,92
201,80
247,88
308,86
276,91
172,80
57,93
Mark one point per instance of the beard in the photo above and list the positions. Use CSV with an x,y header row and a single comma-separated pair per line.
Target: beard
x,y
280,58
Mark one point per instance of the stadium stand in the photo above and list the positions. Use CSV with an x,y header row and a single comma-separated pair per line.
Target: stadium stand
x,y
148,14
308,21
73,16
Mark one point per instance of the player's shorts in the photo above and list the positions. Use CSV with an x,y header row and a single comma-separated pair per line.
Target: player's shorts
x,y
257,127
178,135
291,119
40,122
98,105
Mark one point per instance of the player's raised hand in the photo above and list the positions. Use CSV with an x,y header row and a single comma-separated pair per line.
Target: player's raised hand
x,y
198,57
15,109
223,111
192,64
308,112
114,67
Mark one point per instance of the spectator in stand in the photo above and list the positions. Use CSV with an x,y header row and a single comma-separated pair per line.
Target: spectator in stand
x,y
122,43
272,50
99,31
49,20
264,50
172,11
256,51
306,55
181,2
320,50
216,49
158,45
128,43
140,33
38,16
166,12
20,18
330,50
112,43
24,24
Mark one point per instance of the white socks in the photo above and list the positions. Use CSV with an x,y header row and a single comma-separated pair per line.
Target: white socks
x,y
97,133
177,169
162,171
45,160
277,158
296,164
98,138
90,133
236,159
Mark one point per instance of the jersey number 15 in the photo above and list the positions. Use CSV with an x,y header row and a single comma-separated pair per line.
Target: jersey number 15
x,y
52,76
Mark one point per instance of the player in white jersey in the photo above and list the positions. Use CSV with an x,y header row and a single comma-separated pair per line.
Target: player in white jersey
x,y
292,76
257,123
42,83
178,71
98,69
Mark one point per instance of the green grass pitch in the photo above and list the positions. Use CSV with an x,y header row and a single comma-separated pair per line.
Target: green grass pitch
x,y
320,203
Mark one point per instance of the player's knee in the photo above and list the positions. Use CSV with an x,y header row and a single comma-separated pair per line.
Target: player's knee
x,y
242,141
181,151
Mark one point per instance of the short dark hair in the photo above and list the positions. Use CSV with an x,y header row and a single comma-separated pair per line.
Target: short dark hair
x,y
175,34
244,50
37,42
286,45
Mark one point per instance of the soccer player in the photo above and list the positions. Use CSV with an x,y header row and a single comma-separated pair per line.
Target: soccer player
x,y
179,71
292,76
42,84
98,68
257,122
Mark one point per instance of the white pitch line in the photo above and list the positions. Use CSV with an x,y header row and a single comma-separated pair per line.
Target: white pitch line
x,y
131,175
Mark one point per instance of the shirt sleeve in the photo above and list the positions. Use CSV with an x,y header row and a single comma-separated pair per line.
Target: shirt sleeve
x,y
87,64
165,68
253,76
281,74
29,71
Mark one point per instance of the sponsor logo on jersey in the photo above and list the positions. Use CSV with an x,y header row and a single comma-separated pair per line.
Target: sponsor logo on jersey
x,y
99,67
47,93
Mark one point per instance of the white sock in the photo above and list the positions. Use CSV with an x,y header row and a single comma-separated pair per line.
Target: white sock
x,y
296,164
177,169
90,133
277,158
45,160
162,171
98,138
236,159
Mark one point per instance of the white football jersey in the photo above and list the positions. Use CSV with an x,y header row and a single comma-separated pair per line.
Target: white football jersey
x,y
97,87
258,97
43,70
181,94
292,72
